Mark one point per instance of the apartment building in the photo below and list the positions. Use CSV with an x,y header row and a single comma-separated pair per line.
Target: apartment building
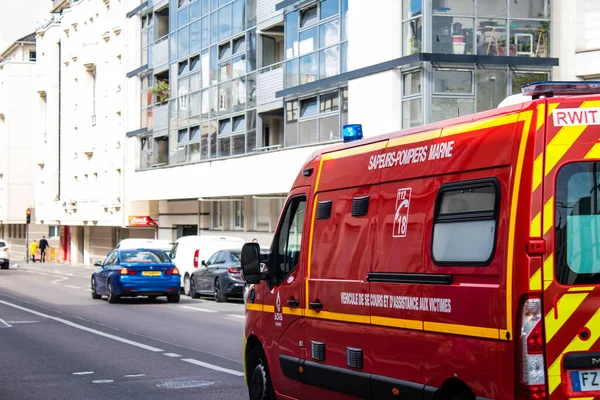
x,y
80,86
18,147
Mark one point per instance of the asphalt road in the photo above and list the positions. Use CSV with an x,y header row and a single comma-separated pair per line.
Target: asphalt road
x,y
56,342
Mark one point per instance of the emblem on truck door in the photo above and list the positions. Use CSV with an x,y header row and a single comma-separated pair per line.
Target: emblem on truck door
x,y
278,315
402,210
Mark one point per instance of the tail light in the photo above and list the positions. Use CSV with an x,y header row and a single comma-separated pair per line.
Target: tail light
x,y
196,256
531,349
235,272
172,271
126,271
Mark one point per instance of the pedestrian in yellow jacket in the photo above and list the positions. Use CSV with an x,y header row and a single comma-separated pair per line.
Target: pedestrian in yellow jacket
x,y
33,250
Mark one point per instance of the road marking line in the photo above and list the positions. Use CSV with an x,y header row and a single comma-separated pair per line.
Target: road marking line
x,y
4,324
57,281
213,367
22,322
134,376
84,328
236,316
72,287
83,373
198,309
171,355
103,381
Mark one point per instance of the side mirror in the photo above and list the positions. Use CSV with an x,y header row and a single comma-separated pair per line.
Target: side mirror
x,y
98,264
250,261
204,263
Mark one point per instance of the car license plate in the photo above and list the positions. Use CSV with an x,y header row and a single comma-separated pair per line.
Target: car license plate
x,y
151,273
586,380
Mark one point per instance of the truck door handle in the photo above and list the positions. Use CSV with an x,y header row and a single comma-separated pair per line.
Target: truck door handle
x,y
293,303
315,305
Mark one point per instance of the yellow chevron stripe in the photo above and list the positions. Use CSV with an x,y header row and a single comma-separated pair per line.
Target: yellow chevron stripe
x,y
353,151
535,282
552,107
538,173
594,152
575,345
541,116
478,125
548,268
566,307
419,137
535,229
548,215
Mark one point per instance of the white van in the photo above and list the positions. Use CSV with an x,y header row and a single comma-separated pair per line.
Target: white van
x,y
136,243
189,252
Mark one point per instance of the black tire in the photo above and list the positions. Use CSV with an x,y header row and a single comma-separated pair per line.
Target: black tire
x,y
152,298
174,298
259,380
186,285
219,296
95,294
5,266
112,298
193,293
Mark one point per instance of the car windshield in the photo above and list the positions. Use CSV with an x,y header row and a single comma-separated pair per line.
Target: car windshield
x,y
236,254
2,244
144,256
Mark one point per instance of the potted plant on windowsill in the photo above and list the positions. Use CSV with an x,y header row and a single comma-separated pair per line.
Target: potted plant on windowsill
x,y
161,91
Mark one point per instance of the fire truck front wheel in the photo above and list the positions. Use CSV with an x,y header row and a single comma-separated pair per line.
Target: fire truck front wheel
x,y
259,382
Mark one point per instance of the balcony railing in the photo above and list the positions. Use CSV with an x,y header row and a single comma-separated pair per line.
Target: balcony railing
x,y
160,54
269,82
267,15
160,118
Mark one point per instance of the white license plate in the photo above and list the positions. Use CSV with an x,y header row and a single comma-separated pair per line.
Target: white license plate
x,y
586,380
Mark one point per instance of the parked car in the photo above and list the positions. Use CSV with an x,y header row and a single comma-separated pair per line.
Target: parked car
x,y
189,251
137,243
136,272
4,256
219,277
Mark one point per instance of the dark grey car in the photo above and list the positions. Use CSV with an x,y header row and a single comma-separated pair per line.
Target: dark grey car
x,y
219,277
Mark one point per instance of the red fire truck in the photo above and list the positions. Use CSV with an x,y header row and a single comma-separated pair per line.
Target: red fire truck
x,y
457,260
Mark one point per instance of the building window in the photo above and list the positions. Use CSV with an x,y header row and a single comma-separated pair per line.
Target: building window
x,y
32,56
315,42
161,144
465,223
591,33
188,145
145,152
412,26
216,215
262,215
411,99
53,231
238,214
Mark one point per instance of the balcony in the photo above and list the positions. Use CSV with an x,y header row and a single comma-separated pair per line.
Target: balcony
x,y
160,120
269,82
160,55
266,14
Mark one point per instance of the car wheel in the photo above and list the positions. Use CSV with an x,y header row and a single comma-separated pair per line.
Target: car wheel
x,y
193,293
112,298
259,382
95,294
219,296
152,298
186,285
5,265
173,298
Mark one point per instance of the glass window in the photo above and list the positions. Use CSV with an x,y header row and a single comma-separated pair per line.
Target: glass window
x,y
225,126
195,104
411,83
214,28
205,61
453,81
225,22
309,131
344,18
291,35
224,50
205,33
182,67
308,16
194,152
308,107
330,62
412,33
225,71
520,79
173,46
412,113
205,104
446,108
329,33
289,239
251,120
577,220
238,144
239,45
214,101
223,2
291,108
250,14
239,16
225,146
329,8
455,7
251,50
262,213
411,8
194,64
291,73
183,86
251,89
213,138
204,145
490,8
308,40
530,9
239,123
195,37
329,102
238,94
309,68
194,133
329,128
182,136
195,11
491,88
183,17
529,38
224,98
291,134
214,70
491,37
161,148
239,66
217,215
452,35
465,224
344,57
183,44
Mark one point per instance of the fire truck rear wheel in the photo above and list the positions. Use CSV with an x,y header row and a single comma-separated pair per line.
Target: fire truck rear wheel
x,y
259,385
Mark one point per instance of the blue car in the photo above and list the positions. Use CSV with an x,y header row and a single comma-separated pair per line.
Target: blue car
x,y
137,272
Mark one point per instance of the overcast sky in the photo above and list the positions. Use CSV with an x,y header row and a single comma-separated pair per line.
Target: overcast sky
x,y
20,18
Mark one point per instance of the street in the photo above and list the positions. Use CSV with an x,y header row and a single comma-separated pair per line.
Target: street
x,y
57,342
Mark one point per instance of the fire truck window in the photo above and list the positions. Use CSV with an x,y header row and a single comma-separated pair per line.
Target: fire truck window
x,y
290,239
577,224
465,223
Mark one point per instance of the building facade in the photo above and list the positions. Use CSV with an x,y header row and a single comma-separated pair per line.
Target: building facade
x,y
81,85
18,148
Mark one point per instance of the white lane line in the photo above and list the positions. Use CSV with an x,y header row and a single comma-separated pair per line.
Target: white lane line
x,y
236,316
22,322
59,280
83,373
4,324
84,328
198,309
72,287
171,355
103,381
211,366
134,376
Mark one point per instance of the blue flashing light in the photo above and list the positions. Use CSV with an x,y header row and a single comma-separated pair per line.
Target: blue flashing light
x,y
560,88
352,132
